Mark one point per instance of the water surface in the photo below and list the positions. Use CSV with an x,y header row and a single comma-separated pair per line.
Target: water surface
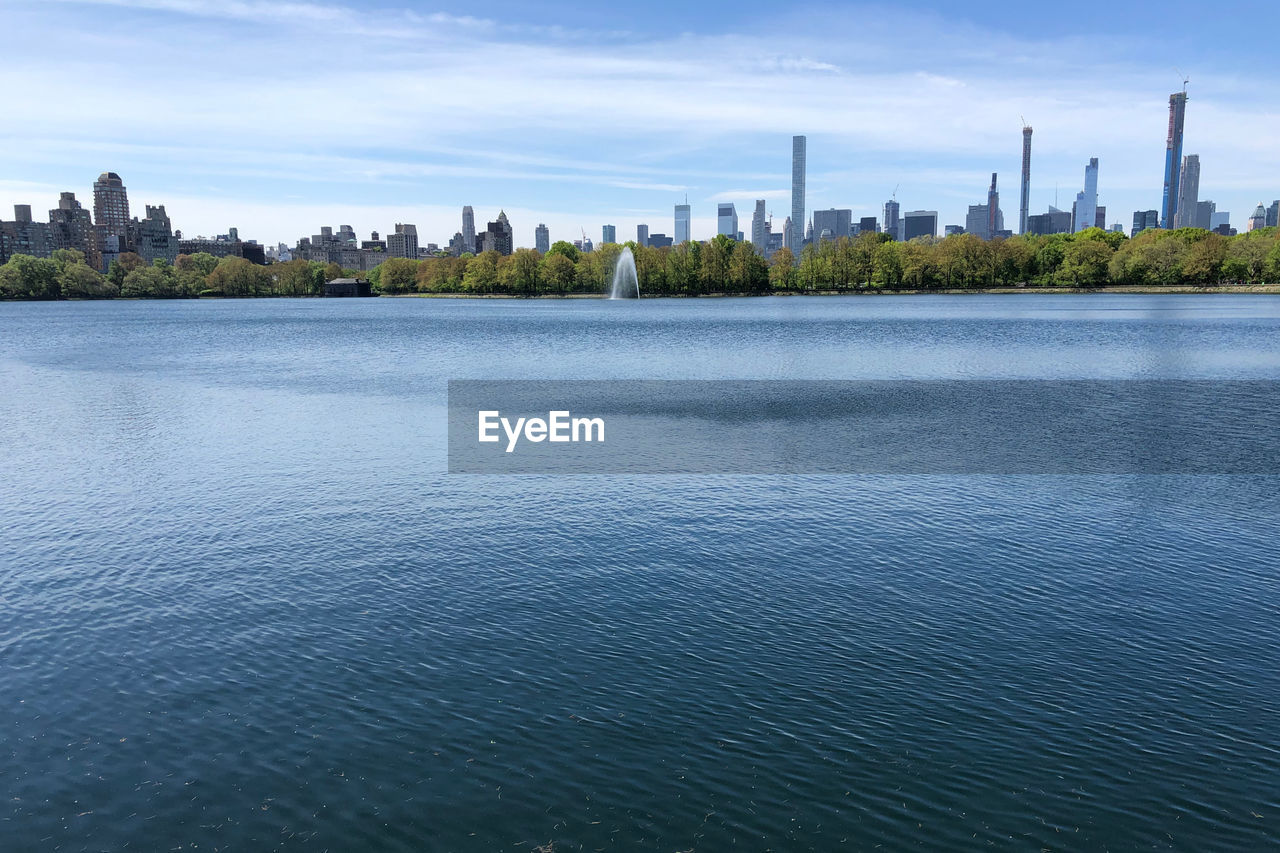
x,y
243,607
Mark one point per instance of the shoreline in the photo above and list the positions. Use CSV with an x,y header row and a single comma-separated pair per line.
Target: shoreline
x,y
1181,289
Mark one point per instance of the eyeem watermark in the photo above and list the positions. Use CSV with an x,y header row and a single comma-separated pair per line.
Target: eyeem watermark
x,y
558,426
983,427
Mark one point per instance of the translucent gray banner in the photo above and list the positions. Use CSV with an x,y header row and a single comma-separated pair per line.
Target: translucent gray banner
x,y
864,427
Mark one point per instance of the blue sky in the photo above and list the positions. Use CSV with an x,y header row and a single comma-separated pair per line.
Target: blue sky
x,y
282,117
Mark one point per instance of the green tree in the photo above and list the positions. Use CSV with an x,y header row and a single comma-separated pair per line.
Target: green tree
x,y
25,277
238,277
297,278
888,267
748,272
124,264
153,282
200,262
398,275
558,272
1246,258
562,247
1085,261
78,281
525,266
782,270
714,274
482,274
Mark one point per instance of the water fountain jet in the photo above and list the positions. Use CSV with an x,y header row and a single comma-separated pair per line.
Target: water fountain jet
x,y
625,284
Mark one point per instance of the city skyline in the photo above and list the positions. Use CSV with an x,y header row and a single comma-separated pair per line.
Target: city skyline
x,y
937,125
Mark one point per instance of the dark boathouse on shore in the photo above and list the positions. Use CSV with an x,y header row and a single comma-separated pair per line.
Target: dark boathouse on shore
x,y
348,287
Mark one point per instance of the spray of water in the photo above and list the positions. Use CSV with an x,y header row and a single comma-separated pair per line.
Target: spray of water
x,y
625,284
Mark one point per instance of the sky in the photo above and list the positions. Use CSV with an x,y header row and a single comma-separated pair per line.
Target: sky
x,y
279,118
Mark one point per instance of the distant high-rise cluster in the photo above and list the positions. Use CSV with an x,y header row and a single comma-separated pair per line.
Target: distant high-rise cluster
x,y
109,231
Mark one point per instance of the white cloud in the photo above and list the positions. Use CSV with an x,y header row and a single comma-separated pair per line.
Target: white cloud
x,y
326,100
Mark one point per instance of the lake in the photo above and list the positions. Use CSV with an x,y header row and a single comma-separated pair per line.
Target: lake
x,y
243,606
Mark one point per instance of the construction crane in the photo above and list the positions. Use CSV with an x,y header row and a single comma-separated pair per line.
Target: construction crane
x,y
1184,78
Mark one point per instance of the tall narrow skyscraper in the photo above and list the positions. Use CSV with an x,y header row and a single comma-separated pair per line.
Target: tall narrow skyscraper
x,y
542,238
468,230
796,235
1024,207
1173,158
1087,201
994,221
682,224
759,229
1188,192
608,234
642,235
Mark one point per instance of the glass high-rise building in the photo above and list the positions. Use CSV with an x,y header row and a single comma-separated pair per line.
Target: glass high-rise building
x,y
542,238
682,224
1173,158
892,225
642,235
1188,192
760,229
608,234
798,155
1086,212
727,220
468,230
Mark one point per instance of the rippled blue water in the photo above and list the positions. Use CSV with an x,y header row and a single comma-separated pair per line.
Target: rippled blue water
x,y
243,607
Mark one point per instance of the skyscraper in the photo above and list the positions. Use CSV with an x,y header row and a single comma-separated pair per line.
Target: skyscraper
x,y
1086,212
542,238
1024,206
608,234
759,228
1273,213
727,220
404,242
1204,214
642,235
71,227
1188,192
919,223
682,224
797,192
995,221
1144,219
110,204
1259,218
837,222
497,236
1173,158
891,224
468,230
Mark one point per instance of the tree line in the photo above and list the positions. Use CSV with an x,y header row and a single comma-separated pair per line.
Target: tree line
x,y
1092,258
